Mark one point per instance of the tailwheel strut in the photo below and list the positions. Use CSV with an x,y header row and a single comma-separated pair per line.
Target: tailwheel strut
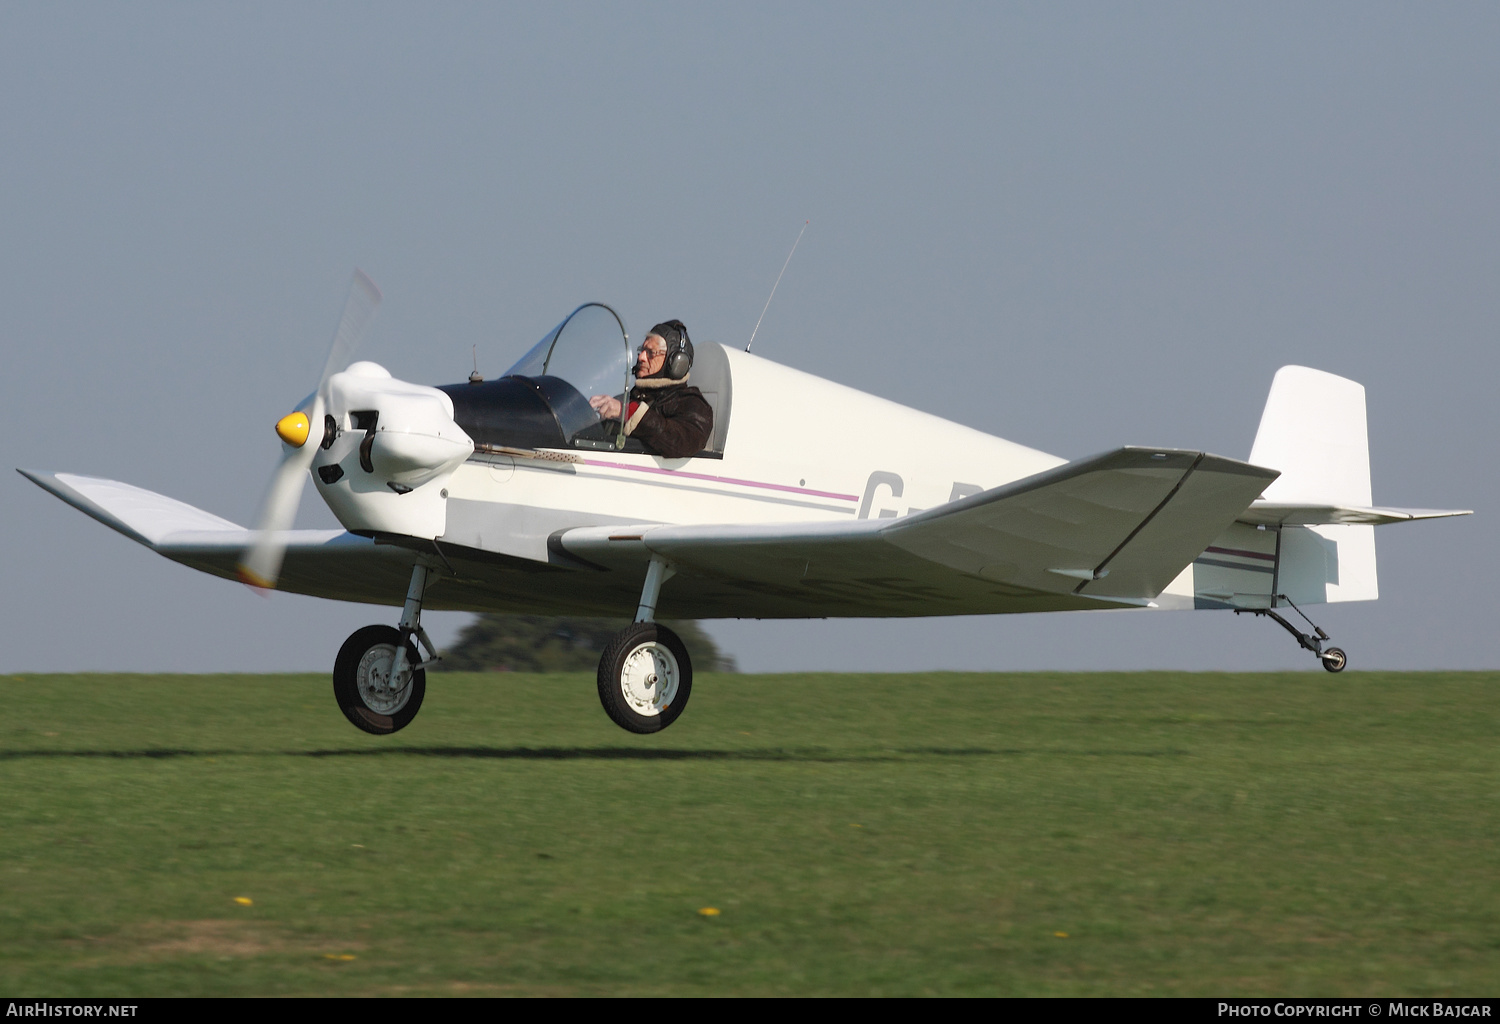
x,y
1333,658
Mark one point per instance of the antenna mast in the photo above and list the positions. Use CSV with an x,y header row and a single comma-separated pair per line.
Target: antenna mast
x,y
773,287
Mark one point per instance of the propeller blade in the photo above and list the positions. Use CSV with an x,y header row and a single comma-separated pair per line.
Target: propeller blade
x,y
261,564
363,299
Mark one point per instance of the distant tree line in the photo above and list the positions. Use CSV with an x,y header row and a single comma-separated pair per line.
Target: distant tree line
x,y
538,643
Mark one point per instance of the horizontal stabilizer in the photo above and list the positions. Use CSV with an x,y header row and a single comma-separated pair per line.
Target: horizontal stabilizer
x,y
1272,513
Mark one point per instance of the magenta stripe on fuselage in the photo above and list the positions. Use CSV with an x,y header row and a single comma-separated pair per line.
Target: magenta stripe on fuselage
x,y
719,479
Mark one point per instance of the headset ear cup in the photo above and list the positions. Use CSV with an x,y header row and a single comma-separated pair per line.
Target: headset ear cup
x,y
678,364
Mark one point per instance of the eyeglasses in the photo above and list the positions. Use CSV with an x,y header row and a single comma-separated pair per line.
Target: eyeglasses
x,y
643,350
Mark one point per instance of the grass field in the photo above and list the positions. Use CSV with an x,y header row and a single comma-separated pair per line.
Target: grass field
x,y
1090,834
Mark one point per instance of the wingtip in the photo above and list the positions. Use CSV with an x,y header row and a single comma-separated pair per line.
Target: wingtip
x,y
46,481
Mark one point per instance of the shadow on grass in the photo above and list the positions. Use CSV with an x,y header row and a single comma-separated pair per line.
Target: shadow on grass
x,y
809,754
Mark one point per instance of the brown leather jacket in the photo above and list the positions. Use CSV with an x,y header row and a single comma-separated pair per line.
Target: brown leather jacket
x,y
674,421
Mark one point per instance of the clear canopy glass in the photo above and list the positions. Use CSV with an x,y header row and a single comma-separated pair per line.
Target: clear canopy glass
x,y
589,351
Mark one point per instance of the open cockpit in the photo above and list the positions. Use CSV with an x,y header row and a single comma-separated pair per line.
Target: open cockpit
x,y
543,400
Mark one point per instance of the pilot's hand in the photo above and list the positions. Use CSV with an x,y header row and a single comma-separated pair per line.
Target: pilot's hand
x,y
606,406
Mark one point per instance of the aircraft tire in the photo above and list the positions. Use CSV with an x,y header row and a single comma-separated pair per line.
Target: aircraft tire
x,y
1334,659
645,678
363,665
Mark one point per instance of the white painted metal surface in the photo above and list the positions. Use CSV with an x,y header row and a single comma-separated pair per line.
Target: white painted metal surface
x,y
1313,430
824,502
412,450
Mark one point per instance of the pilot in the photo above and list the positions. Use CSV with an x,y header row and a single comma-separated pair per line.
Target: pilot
x,y
669,417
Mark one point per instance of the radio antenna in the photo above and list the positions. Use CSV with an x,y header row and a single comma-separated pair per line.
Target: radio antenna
x,y
773,287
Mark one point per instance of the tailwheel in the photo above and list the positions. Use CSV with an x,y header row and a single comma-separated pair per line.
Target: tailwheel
x,y
374,693
1332,658
645,678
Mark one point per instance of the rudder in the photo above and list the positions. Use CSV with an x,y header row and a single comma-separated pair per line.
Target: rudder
x,y
1314,431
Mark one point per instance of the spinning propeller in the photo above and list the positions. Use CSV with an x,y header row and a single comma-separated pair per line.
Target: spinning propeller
x,y
261,563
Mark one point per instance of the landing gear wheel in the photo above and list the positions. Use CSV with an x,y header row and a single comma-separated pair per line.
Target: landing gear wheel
x,y
645,678
1334,659
363,686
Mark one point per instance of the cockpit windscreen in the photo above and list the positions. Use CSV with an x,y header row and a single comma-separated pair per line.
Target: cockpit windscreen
x,y
543,400
588,349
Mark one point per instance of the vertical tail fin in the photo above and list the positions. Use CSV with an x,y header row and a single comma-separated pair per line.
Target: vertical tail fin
x,y
1313,430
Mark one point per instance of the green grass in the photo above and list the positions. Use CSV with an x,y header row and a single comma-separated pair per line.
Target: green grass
x,y
1294,834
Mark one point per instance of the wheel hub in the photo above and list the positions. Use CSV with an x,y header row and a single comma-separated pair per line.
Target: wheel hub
x,y
380,693
648,679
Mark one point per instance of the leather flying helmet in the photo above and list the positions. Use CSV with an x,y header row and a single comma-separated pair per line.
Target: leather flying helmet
x,y
679,348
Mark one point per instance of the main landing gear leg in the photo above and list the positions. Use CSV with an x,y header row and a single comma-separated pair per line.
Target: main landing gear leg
x,y
1333,658
411,623
645,675
379,679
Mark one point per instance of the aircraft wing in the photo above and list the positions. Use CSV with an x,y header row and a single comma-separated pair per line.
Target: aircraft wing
x,y
343,566
1109,530
322,563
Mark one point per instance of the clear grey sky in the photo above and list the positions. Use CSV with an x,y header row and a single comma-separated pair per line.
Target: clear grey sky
x,y
1072,225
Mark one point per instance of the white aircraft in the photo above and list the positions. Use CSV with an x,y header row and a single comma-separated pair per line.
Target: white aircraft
x,y
809,500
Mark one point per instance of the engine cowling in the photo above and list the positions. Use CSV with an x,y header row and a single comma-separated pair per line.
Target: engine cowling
x,y
389,449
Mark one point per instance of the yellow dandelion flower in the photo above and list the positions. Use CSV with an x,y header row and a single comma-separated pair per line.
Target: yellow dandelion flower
x,y
244,901
1061,935
338,956
709,911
